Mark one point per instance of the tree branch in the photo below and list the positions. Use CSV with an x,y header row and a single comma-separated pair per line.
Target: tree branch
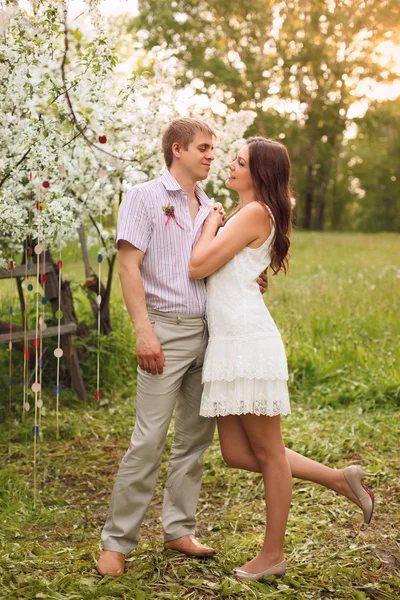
x,y
74,138
63,92
2,181
101,237
71,108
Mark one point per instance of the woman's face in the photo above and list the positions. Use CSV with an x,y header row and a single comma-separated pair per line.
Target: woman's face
x,y
239,172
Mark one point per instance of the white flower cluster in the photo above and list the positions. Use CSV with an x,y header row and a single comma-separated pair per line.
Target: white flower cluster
x,y
51,178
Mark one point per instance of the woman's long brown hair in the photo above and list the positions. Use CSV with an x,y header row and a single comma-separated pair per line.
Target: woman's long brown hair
x,y
271,171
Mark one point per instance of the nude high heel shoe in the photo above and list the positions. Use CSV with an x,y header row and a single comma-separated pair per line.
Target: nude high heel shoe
x,y
278,570
353,475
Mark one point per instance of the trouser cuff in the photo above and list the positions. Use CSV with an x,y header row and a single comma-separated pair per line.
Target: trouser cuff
x,y
177,533
115,547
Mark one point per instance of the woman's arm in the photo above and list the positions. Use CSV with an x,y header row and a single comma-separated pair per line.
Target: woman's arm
x,y
211,251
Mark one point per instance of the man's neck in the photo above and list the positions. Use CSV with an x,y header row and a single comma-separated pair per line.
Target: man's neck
x,y
186,182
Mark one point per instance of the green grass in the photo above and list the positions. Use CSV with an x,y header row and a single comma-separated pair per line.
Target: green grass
x,y
338,313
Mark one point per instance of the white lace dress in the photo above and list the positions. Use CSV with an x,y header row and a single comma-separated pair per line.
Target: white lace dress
x,y
245,368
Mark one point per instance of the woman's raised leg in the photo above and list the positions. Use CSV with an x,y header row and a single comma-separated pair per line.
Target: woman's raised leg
x,y
238,453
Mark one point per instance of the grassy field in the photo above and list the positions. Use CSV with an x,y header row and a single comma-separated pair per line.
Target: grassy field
x,y
338,314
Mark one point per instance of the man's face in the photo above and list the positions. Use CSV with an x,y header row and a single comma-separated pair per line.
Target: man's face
x,y
196,160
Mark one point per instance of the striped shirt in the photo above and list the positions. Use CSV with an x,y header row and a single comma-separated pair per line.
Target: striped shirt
x,y
167,243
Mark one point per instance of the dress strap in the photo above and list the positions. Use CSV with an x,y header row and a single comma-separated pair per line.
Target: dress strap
x,y
270,214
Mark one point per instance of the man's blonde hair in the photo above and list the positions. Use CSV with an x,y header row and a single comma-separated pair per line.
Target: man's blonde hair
x,y
183,131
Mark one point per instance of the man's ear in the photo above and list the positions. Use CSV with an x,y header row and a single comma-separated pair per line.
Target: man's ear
x,y
176,150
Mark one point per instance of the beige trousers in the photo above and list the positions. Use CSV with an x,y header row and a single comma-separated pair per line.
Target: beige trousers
x,y
183,339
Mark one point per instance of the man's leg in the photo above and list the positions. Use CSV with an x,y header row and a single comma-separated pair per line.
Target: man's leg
x,y
138,473
193,434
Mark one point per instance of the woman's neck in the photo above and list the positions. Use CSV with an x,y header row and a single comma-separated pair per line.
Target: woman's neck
x,y
246,198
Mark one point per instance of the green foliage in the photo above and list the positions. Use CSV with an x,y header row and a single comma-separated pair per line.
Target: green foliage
x,y
117,355
49,551
376,152
299,65
337,311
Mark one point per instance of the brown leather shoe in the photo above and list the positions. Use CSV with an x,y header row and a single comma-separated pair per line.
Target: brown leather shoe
x,y
111,563
189,545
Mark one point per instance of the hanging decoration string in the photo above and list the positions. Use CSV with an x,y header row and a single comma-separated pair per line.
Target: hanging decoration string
x,y
58,352
36,343
25,347
27,353
101,174
42,327
10,371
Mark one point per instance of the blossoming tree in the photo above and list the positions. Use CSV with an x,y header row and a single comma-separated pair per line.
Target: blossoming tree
x,y
75,133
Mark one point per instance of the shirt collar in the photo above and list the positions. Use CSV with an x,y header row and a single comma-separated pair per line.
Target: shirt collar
x,y
171,185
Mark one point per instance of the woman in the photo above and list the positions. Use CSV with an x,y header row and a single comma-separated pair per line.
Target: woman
x,y
245,370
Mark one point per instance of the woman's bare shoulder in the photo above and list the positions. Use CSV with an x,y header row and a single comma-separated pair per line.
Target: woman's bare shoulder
x,y
255,211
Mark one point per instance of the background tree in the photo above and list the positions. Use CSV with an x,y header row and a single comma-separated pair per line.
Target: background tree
x,y
302,60
374,168
76,129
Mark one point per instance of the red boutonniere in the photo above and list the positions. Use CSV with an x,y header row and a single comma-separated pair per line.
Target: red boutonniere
x,y
170,214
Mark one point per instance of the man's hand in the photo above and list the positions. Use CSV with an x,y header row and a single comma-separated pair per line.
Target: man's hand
x,y
149,353
263,281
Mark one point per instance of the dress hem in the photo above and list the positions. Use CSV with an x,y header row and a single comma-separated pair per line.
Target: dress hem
x,y
245,412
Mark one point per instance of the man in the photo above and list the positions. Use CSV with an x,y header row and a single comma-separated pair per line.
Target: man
x,y
159,222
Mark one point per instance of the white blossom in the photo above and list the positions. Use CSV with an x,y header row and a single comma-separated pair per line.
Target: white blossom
x,y
40,141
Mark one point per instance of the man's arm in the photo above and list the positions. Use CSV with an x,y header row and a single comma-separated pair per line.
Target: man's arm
x,y
148,349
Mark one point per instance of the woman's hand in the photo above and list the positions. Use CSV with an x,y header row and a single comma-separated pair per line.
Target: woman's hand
x,y
216,217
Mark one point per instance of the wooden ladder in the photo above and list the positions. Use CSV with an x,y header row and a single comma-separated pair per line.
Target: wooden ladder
x,y
68,325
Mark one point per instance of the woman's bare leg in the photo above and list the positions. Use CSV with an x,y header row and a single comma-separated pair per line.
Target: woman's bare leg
x,y
264,435
237,453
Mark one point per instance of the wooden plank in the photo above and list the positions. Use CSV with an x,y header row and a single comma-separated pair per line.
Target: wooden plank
x,y
20,271
31,334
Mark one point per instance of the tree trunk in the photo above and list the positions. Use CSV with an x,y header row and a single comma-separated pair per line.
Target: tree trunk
x,y
320,213
105,317
92,286
310,185
91,279
320,216
337,208
85,253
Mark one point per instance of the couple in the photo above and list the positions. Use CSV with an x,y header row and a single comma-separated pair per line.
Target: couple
x,y
170,238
